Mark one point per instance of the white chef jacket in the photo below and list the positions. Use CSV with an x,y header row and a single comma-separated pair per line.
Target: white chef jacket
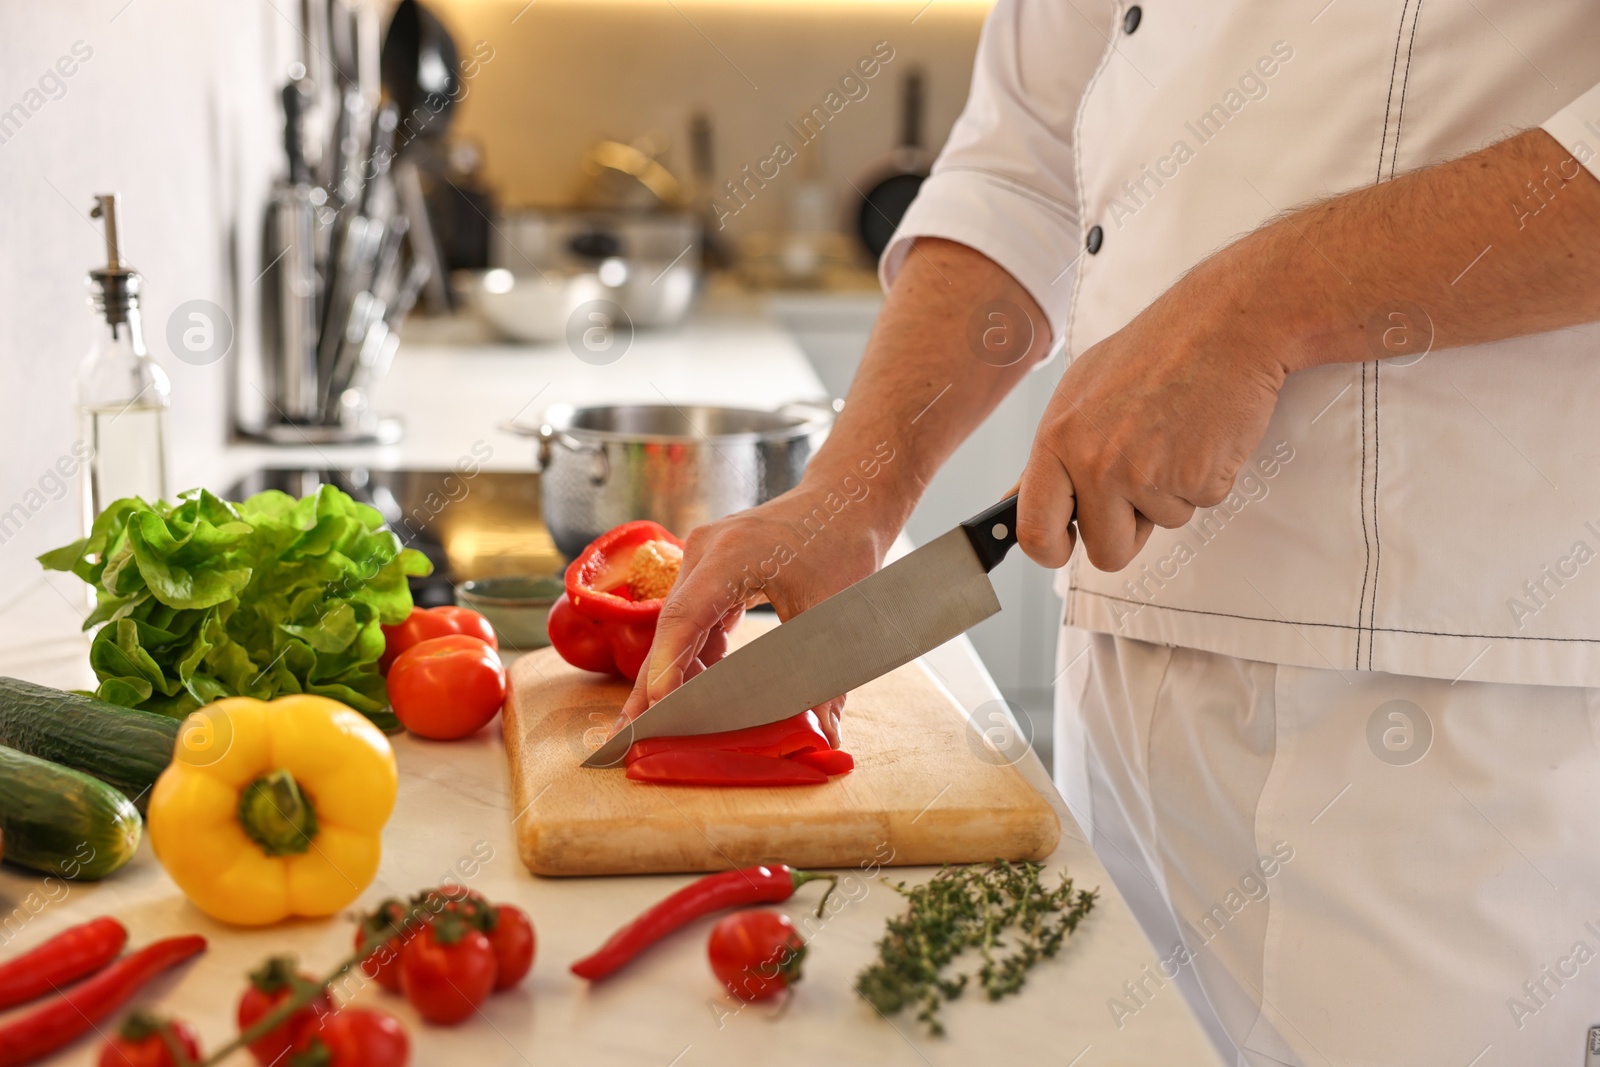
x,y
1436,516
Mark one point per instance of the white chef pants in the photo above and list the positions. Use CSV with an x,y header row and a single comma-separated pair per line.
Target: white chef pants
x,y
1343,868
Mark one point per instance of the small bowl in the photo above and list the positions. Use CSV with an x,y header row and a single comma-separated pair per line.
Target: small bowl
x,y
517,606
531,308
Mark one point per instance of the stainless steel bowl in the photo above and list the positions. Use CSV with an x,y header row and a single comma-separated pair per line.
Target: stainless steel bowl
x,y
681,465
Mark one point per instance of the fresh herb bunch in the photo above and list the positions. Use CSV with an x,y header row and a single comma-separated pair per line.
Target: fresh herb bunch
x,y
1003,910
202,599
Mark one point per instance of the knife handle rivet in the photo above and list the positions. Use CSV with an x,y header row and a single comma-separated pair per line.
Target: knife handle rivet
x,y
998,531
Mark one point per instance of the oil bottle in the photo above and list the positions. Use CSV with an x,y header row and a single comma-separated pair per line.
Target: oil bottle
x,y
123,396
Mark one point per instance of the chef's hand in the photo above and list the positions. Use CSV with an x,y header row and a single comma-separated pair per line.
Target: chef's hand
x,y
1148,425
754,556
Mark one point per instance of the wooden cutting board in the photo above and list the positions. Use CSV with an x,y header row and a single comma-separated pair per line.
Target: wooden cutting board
x,y
927,789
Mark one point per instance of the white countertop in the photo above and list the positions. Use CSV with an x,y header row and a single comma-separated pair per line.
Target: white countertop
x,y
665,1009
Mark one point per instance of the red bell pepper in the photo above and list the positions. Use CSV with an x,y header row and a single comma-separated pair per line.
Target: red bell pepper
x,y
829,761
786,737
709,766
606,619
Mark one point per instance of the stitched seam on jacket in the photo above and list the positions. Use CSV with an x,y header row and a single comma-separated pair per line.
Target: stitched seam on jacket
x,y
1077,589
1077,179
1377,425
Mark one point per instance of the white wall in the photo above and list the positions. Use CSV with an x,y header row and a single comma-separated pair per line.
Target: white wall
x,y
175,109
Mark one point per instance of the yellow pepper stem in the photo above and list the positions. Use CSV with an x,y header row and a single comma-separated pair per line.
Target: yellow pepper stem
x,y
276,815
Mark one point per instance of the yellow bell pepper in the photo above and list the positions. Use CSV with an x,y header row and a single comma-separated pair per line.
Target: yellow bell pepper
x,y
273,809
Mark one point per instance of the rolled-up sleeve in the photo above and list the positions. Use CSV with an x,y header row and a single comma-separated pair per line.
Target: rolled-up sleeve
x,y
1004,183
1577,127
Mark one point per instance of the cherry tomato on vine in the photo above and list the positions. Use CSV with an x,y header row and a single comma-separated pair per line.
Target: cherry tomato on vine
x,y
353,1037
447,970
513,941
383,965
270,985
138,1043
756,954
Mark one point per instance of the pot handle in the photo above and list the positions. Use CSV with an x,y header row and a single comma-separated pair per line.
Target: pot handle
x,y
548,437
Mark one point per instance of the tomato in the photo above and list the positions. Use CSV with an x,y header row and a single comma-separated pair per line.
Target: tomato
x,y
447,687
383,965
425,623
513,941
269,986
138,1044
447,970
354,1037
756,954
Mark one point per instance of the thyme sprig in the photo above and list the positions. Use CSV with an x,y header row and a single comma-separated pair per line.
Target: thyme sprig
x,y
1002,910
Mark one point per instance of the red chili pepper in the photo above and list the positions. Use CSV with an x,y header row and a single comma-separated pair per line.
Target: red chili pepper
x,y
599,624
829,761
60,1020
729,889
709,766
786,737
65,958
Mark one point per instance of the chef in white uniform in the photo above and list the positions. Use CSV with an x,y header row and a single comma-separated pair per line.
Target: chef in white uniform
x,y
1327,280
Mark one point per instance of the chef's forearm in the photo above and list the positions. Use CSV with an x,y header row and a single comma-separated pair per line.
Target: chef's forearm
x,y
1500,243
923,385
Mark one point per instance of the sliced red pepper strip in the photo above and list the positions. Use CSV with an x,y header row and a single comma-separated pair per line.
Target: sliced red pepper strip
x,y
65,958
799,733
60,1021
709,766
597,581
729,889
829,761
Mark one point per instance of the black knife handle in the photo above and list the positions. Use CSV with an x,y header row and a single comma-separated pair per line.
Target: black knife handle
x,y
993,532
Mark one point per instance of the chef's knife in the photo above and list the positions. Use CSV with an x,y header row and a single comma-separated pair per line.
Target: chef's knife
x,y
912,606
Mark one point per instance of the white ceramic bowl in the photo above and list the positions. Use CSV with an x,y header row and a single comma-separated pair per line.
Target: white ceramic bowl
x,y
528,307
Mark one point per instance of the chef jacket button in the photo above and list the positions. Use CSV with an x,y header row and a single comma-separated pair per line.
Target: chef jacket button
x,y
1130,21
1096,237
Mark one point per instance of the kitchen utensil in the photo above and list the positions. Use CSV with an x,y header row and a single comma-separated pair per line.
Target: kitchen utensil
x,y
885,195
517,606
912,606
681,465
714,250
424,245
290,318
929,787
420,64
533,308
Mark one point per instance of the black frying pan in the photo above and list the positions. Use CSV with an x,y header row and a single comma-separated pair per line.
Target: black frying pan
x,y
888,191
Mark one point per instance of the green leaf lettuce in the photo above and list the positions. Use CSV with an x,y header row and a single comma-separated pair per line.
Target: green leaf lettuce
x,y
202,599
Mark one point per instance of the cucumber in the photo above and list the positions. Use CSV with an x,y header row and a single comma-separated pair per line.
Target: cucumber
x,y
62,821
124,747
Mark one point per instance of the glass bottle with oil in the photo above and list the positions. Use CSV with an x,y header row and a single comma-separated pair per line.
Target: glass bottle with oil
x,y
123,396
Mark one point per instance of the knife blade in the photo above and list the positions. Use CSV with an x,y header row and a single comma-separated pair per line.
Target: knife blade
x,y
912,606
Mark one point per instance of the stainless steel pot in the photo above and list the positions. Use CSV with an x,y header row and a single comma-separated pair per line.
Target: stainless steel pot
x,y
679,465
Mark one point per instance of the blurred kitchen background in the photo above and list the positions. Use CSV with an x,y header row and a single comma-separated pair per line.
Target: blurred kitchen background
x,y
569,150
